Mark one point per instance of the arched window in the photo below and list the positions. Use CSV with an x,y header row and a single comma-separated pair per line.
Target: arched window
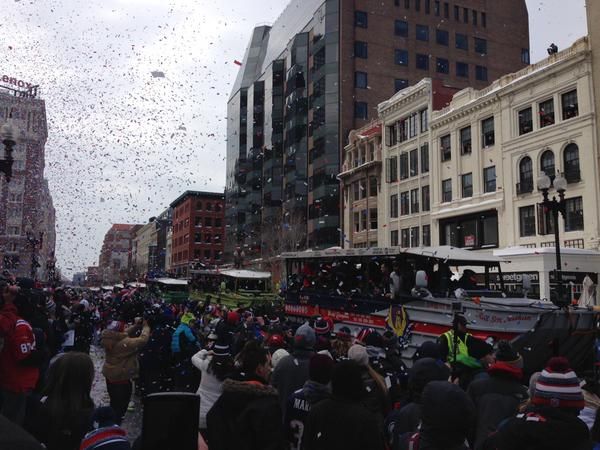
x,y
571,160
525,176
547,164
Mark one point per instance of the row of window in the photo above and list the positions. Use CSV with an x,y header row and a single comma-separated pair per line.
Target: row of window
x,y
407,128
409,237
199,222
208,239
545,222
409,202
489,184
200,206
359,188
409,164
361,220
460,14
198,254
487,139
571,169
545,112
401,58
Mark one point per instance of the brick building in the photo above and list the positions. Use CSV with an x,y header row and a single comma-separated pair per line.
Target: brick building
x,y
319,72
198,230
27,220
116,262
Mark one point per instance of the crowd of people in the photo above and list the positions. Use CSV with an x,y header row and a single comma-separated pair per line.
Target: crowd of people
x,y
266,383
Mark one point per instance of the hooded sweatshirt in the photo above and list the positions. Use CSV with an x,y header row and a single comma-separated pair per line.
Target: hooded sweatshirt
x,y
121,361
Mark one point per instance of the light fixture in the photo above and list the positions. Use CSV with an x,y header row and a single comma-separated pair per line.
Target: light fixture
x,y
544,182
560,183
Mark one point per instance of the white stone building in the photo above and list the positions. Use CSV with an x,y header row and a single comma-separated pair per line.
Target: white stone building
x,y
489,147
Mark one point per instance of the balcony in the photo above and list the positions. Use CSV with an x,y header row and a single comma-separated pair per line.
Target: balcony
x,y
525,187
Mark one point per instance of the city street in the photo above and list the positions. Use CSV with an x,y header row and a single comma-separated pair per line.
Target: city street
x,y
133,419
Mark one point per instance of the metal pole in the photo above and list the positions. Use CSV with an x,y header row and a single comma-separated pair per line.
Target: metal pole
x,y
559,287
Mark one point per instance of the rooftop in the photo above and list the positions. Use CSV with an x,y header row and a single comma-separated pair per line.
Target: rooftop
x,y
186,194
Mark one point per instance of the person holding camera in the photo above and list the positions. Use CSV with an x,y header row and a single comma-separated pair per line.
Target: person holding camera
x,y
121,364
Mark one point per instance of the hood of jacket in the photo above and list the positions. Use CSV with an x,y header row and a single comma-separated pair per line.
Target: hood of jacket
x,y
110,338
315,392
504,369
249,388
448,414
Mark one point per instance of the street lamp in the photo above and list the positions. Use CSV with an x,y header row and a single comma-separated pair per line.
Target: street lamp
x,y
33,243
8,135
555,207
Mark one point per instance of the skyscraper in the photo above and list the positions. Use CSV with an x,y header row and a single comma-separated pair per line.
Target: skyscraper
x,y
320,71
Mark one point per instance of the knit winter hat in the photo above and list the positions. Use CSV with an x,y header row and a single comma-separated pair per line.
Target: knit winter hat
x,y
508,355
116,325
221,350
359,354
278,356
233,318
323,326
320,368
558,386
305,337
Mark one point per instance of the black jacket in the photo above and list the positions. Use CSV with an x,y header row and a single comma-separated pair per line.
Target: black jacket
x,y
290,375
341,424
247,416
542,428
496,398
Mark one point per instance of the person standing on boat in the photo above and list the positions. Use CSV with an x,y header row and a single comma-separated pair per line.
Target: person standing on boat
x,y
395,280
463,342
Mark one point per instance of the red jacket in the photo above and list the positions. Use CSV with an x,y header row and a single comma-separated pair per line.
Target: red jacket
x,y
18,345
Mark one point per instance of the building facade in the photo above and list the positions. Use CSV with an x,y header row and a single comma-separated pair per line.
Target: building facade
x,y
116,261
27,221
490,146
360,182
144,249
406,187
319,72
198,230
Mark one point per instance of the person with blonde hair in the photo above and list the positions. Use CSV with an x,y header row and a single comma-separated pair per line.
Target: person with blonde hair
x,y
375,397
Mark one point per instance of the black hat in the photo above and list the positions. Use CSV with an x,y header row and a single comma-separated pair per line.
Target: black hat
x,y
425,370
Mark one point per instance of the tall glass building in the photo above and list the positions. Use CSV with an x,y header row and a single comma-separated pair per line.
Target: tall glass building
x,y
320,71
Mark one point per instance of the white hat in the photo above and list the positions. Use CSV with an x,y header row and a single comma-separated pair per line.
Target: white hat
x,y
277,356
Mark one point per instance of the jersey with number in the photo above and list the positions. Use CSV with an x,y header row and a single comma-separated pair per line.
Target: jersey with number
x,y
299,405
18,345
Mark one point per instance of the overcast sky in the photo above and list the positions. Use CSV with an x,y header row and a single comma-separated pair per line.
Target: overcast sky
x,y
122,144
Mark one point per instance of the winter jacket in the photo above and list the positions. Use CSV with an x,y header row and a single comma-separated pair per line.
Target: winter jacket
x,y
246,416
341,424
8,318
447,416
403,420
210,388
496,398
298,408
290,375
541,428
43,427
13,437
374,398
183,332
121,349
15,374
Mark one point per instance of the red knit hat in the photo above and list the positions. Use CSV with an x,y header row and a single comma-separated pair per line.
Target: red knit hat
x,y
558,386
233,318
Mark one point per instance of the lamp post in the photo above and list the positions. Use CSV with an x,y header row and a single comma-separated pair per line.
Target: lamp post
x,y
8,135
555,207
34,241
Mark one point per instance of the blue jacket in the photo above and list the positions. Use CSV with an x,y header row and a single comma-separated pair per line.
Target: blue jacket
x,y
186,331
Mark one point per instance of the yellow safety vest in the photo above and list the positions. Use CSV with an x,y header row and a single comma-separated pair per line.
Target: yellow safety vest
x,y
462,345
